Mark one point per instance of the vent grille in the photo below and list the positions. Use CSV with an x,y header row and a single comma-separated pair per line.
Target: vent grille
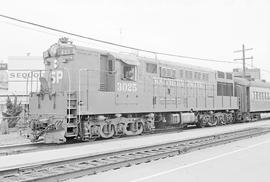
x,y
102,87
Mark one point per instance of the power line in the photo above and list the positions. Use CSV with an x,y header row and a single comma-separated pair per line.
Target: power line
x,y
25,27
105,42
111,43
51,34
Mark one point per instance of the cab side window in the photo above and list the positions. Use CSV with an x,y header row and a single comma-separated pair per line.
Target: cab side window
x,y
128,72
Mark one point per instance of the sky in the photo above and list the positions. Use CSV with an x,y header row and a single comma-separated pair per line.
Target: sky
x,y
211,29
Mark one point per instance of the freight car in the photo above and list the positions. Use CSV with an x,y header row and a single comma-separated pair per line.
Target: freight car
x,y
88,93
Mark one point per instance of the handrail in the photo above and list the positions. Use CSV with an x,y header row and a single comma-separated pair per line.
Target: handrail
x,y
69,92
79,98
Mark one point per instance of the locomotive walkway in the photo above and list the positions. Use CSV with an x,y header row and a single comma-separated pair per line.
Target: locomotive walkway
x,y
40,159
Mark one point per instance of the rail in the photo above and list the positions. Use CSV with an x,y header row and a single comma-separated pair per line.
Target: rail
x,y
84,165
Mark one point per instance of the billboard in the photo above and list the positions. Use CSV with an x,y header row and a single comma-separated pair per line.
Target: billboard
x,y
22,71
20,75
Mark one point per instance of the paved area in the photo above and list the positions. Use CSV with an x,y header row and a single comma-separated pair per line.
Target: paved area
x,y
13,138
246,160
116,145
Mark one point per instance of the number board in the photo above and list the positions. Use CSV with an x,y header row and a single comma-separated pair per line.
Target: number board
x,y
126,87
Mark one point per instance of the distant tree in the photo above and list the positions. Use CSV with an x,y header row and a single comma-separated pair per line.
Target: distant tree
x,y
11,115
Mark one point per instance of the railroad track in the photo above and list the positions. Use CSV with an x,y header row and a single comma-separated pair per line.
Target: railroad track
x,y
17,149
32,147
84,165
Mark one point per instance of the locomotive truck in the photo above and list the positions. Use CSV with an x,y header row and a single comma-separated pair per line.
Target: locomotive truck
x,y
86,93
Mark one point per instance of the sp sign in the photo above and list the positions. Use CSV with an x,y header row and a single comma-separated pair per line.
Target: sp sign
x,y
56,76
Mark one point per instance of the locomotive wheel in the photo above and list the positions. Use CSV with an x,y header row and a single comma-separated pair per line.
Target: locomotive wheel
x,y
107,131
119,129
148,127
132,129
229,119
140,128
212,121
200,124
221,120
215,121
247,117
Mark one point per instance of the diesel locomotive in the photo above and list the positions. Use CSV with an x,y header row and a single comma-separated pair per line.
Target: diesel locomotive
x,y
86,93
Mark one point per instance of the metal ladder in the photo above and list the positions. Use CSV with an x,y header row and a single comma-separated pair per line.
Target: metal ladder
x,y
72,126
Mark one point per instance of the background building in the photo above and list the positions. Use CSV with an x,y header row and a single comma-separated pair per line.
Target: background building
x,y
22,70
254,73
16,76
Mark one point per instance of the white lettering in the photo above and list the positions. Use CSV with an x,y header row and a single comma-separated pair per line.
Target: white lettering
x,y
59,76
56,76
126,87
14,75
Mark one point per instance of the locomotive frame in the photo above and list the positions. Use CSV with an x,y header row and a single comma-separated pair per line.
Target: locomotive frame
x,y
88,93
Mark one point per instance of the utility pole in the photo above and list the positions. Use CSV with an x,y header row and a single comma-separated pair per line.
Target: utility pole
x,y
244,58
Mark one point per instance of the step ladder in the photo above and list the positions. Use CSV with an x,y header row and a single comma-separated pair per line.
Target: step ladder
x,y
72,126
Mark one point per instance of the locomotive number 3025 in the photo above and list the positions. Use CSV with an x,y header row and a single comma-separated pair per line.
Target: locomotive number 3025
x,y
126,87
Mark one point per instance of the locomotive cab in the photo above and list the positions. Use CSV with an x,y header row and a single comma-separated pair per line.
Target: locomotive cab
x,y
76,83
127,81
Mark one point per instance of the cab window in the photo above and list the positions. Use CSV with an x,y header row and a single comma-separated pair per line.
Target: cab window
x,y
128,72
151,68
